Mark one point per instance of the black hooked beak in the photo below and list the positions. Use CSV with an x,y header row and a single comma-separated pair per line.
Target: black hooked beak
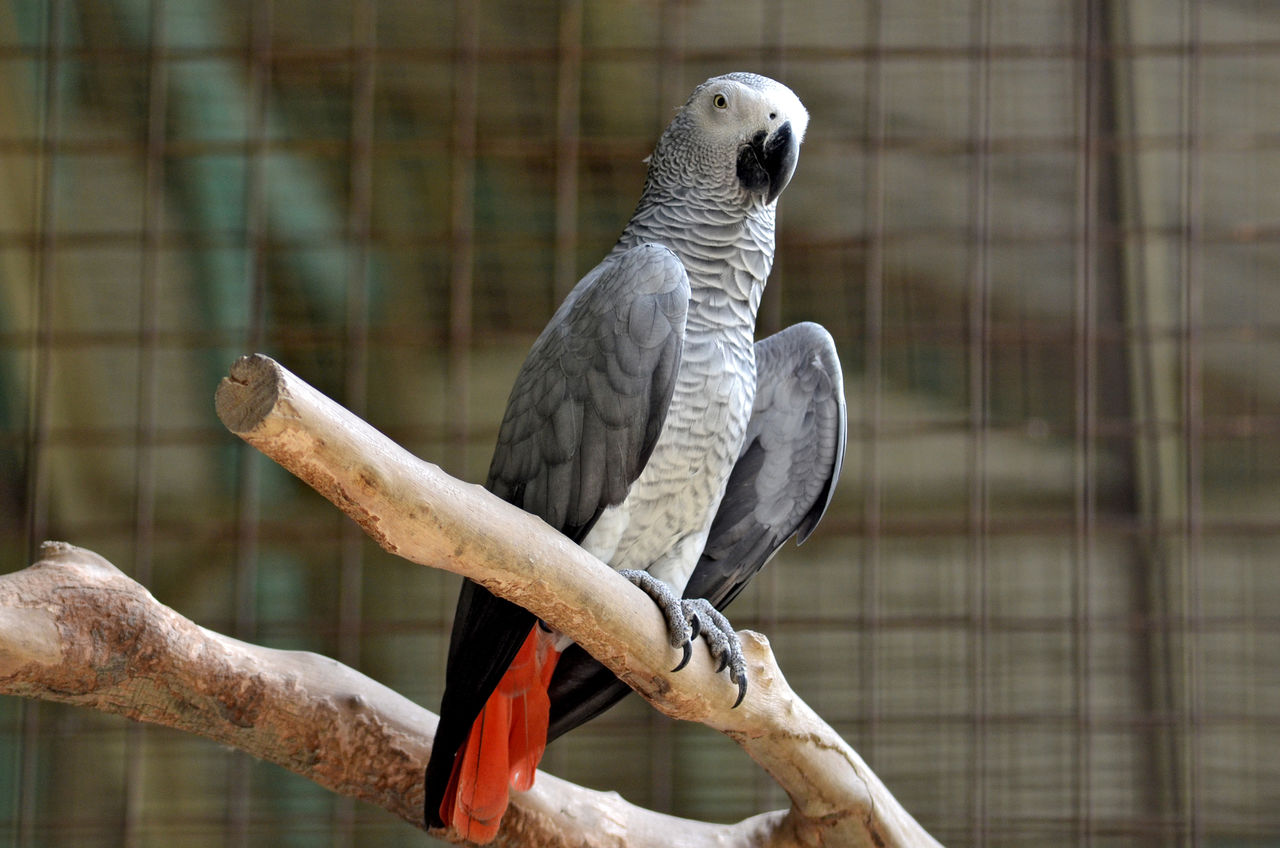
x,y
766,162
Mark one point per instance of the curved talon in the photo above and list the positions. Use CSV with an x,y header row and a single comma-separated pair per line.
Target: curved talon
x,y
689,619
688,654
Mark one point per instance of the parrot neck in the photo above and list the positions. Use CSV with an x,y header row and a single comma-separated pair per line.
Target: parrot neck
x,y
728,255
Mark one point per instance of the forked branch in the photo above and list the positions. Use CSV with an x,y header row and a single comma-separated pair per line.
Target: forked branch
x,y
75,629
415,510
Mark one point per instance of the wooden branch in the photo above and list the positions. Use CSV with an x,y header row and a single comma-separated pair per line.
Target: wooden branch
x,y
415,510
74,629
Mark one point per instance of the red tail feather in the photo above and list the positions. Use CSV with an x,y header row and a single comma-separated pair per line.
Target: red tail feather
x,y
505,745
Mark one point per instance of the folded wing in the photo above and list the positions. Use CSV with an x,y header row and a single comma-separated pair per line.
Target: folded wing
x,y
581,421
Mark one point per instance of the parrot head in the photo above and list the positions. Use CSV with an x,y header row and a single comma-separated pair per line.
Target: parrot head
x,y
738,134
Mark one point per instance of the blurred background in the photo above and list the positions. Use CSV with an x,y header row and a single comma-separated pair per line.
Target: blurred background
x,y
1045,234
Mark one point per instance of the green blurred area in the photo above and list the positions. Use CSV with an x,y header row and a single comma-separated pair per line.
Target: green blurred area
x,y
1042,605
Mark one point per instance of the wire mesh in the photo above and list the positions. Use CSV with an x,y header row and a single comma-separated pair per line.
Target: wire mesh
x,y
1045,236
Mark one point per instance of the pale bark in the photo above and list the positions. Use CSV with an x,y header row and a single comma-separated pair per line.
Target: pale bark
x,y
75,629
415,510
72,628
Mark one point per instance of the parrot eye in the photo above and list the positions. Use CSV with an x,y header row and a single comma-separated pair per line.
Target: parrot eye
x,y
720,101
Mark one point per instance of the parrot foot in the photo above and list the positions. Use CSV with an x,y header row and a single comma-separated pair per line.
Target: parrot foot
x,y
687,619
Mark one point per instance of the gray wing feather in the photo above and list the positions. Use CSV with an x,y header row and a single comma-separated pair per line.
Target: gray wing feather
x,y
790,461
582,419
587,406
781,485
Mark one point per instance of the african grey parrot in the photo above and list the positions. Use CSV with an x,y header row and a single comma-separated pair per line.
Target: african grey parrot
x,y
647,426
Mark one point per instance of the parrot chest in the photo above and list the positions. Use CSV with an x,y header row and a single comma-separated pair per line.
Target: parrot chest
x,y
662,524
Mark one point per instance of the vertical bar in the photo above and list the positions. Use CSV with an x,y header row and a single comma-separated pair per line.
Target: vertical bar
x,y
255,239
1193,426
568,125
1089,90
248,485
461,227
356,343
356,346
152,228
37,500
1152,312
39,412
671,82
979,391
773,39
145,430
873,352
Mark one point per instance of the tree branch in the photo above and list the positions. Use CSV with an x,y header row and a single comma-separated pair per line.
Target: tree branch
x,y
415,510
74,629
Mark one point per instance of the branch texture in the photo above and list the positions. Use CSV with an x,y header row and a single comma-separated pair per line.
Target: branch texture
x,y
74,629
415,510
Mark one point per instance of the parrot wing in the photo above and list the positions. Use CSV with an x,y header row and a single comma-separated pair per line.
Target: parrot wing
x,y
780,486
581,421
790,461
